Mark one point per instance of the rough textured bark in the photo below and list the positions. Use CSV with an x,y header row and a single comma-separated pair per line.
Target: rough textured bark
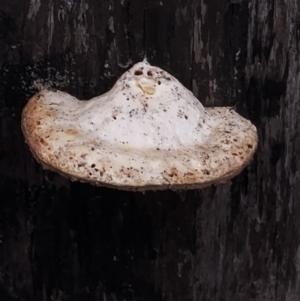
x,y
70,241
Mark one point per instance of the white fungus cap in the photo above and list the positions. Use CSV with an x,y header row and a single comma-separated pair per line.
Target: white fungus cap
x,y
147,132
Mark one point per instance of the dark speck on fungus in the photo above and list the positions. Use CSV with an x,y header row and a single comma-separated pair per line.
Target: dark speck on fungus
x,y
138,72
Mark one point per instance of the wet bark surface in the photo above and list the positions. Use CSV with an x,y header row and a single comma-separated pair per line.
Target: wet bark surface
x,y
70,241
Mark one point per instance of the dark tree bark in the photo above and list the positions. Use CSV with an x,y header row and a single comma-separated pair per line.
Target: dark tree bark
x,y
71,241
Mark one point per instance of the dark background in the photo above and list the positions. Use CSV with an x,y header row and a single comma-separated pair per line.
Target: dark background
x,y
70,241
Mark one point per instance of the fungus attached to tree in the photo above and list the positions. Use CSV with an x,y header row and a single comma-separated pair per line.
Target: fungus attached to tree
x,y
147,132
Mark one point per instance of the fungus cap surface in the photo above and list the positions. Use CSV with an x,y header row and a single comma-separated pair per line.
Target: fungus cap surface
x,y
147,132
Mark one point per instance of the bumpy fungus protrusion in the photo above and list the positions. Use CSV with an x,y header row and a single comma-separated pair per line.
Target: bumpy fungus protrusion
x,y
146,80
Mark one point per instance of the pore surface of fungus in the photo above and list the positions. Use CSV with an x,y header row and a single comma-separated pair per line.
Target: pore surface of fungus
x,y
147,132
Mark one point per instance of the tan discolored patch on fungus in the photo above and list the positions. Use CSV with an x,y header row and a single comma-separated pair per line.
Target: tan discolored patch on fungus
x,y
147,132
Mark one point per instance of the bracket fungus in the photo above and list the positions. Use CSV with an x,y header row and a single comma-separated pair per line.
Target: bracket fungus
x,y
147,132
